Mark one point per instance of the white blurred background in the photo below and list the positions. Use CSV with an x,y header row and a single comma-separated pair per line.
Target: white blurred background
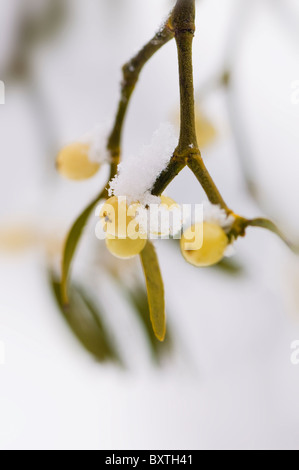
x,y
229,382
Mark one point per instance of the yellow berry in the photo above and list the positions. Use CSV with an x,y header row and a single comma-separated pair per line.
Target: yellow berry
x,y
204,244
163,217
113,216
73,162
118,219
205,130
168,202
123,238
125,248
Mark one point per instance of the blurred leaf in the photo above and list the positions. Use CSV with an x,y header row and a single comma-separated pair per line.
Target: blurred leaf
x,y
139,301
35,29
71,245
32,30
155,290
230,267
84,319
205,129
269,225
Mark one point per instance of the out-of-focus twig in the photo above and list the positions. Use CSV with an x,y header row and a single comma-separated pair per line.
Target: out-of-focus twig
x,y
225,78
31,32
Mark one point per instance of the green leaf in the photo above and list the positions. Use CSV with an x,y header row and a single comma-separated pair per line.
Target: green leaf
x,y
272,227
230,267
155,290
71,245
84,319
46,25
139,301
136,295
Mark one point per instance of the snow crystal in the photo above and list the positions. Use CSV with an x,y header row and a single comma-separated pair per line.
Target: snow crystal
x,y
215,214
97,139
137,175
230,250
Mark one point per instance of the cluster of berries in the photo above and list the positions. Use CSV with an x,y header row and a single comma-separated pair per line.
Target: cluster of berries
x,y
123,234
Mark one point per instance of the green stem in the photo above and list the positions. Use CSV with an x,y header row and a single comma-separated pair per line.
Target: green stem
x,y
131,72
197,166
187,152
183,23
176,165
272,227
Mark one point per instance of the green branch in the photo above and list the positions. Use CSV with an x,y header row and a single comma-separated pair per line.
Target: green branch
x,y
272,227
131,72
182,22
197,166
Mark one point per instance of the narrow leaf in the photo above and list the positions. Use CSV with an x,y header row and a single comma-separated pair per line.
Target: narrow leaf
x,y
71,245
84,319
155,290
272,227
139,300
230,267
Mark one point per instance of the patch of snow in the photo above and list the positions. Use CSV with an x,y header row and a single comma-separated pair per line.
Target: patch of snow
x,y
137,175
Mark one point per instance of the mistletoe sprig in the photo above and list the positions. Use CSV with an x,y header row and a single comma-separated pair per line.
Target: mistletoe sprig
x,y
74,161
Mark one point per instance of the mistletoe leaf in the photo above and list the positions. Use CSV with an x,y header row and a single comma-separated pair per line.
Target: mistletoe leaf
x,y
83,317
71,245
155,290
272,227
230,267
139,301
